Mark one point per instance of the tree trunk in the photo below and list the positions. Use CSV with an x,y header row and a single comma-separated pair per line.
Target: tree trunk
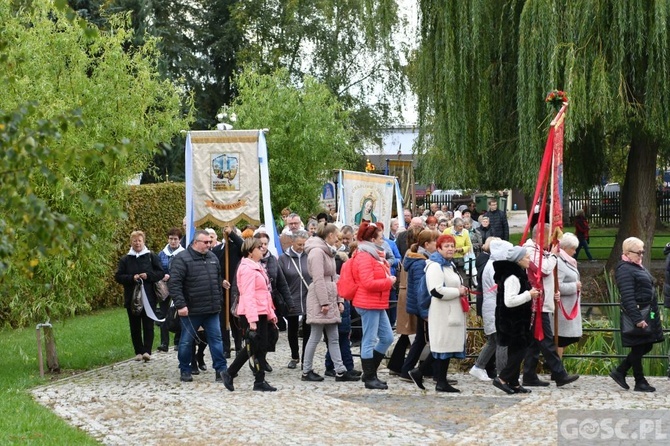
x,y
638,196
52,355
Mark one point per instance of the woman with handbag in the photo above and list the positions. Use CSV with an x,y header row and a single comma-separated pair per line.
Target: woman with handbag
x,y
140,267
640,319
166,255
447,311
293,264
255,310
324,306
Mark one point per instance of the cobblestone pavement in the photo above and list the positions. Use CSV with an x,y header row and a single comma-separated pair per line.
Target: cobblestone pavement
x,y
133,403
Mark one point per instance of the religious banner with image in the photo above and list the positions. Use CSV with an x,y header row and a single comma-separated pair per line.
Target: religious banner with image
x,y
365,196
222,176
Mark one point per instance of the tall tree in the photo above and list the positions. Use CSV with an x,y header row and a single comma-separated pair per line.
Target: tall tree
x,y
80,116
347,45
610,57
309,134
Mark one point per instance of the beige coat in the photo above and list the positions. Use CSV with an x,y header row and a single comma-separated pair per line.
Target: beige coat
x,y
446,319
323,289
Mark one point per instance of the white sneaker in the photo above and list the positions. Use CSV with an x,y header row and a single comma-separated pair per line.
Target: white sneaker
x,y
480,374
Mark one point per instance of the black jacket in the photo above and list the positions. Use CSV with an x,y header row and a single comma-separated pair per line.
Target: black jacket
x,y
129,266
234,257
637,290
281,293
512,324
498,224
195,282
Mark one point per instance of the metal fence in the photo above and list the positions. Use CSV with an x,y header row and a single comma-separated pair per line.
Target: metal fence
x,y
604,208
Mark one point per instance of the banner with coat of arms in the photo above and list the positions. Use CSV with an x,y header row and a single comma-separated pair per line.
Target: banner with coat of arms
x,y
223,180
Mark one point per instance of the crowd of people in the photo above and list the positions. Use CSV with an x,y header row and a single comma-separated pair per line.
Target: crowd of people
x,y
233,294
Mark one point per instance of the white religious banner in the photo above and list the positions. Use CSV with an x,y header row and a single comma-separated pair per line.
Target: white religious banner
x,y
327,198
366,196
222,172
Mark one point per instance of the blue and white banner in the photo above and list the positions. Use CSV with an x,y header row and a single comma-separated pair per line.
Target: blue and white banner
x,y
222,171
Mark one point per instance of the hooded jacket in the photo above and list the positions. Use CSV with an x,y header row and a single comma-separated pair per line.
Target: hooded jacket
x,y
414,264
323,289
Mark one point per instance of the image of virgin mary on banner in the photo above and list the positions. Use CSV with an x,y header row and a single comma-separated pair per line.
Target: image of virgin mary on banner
x,y
366,196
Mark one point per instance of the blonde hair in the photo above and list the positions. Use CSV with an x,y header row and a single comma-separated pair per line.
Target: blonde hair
x,y
630,243
137,234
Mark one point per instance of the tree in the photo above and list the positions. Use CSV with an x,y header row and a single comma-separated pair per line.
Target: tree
x,y
81,115
309,134
484,70
346,45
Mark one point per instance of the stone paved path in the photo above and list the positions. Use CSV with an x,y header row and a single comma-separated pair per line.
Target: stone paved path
x,y
132,403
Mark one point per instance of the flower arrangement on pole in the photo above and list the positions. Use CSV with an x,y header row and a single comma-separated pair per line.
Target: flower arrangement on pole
x,y
556,98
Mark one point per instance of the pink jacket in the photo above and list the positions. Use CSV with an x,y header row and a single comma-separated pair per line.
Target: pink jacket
x,y
254,286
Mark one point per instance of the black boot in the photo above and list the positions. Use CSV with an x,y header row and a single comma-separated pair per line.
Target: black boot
x,y
377,358
442,384
370,375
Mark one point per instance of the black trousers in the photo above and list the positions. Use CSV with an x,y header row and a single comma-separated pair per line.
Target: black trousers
x,y
141,332
510,373
634,360
292,332
549,351
417,346
259,348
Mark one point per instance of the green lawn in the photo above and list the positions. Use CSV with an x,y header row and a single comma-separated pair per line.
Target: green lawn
x,y
83,343
603,239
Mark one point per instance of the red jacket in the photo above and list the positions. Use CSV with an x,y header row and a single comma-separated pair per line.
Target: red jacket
x,y
374,282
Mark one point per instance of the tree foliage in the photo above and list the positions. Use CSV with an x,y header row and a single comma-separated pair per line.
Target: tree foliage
x,y
485,67
81,115
347,45
309,134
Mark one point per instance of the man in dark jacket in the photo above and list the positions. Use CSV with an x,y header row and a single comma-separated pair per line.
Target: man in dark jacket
x,y
497,221
196,289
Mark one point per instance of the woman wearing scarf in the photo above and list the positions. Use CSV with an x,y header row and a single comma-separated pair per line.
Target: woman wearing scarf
x,y
513,315
570,286
446,329
139,265
166,255
373,277
640,304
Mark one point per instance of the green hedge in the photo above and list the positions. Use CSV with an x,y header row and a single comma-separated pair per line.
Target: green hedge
x,y
152,209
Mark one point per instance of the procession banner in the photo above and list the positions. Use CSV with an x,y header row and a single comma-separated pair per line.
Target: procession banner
x,y
222,176
404,172
557,127
366,196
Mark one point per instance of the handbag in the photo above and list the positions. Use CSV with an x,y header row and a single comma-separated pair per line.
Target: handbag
x,y
465,304
233,305
628,327
172,319
161,290
136,305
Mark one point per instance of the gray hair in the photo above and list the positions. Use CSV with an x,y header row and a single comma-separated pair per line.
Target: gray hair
x,y
300,234
467,220
569,240
457,221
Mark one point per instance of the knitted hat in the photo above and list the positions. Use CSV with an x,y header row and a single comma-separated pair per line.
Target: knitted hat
x,y
516,254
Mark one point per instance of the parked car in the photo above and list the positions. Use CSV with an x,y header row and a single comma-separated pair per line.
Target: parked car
x,y
610,205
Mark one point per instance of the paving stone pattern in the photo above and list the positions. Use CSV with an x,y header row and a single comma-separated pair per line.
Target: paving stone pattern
x,y
133,403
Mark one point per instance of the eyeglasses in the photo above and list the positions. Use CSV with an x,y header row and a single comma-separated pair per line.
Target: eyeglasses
x,y
206,242
637,252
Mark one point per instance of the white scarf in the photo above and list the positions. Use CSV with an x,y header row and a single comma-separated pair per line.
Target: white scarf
x,y
132,252
176,251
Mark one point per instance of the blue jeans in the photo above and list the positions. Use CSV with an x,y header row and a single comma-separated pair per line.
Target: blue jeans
x,y
377,332
583,244
189,326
